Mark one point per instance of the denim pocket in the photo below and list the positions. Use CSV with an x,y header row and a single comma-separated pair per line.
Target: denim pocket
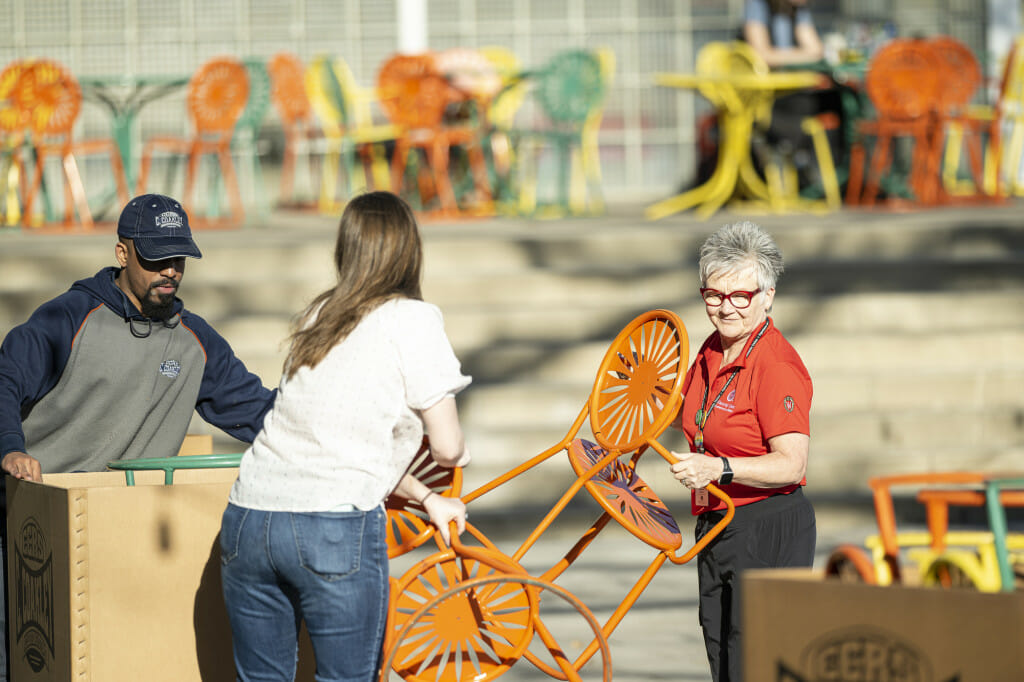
x,y
231,532
329,544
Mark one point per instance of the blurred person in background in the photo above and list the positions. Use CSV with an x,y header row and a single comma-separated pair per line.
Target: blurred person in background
x,y
783,33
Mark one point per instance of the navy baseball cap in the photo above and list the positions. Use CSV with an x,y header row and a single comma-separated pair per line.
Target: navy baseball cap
x,y
159,227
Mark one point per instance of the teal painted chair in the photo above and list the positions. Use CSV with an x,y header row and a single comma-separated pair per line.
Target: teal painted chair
x,y
568,91
245,143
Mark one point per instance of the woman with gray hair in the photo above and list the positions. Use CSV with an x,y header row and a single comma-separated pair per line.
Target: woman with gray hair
x,y
745,413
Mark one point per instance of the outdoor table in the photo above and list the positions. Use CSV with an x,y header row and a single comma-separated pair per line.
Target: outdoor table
x,y
124,95
739,99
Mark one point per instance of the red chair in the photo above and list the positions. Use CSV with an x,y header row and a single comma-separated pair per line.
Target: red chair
x,y
954,126
415,96
301,132
903,82
217,96
52,100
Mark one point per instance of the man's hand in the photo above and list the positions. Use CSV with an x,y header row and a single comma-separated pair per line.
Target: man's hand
x,y
23,466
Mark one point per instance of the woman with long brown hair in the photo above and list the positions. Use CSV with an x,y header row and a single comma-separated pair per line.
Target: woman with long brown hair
x,y
303,538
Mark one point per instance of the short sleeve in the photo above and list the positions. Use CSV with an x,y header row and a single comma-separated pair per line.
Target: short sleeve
x,y
803,16
756,11
783,400
426,358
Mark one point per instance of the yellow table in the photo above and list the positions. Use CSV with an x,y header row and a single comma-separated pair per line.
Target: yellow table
x,y
741,99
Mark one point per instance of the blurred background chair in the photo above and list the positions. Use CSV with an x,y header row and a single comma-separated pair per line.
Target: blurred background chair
x,y
216,97
903,82
953,132
566,90
501,118
53,99
13,122
585,195
997,128
355,144
246,141
302,133
476,82
415,95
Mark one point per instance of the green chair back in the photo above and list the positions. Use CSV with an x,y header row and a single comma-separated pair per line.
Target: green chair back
x,y
570,86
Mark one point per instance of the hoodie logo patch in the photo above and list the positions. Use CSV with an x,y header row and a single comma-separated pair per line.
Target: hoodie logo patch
x,y
170,368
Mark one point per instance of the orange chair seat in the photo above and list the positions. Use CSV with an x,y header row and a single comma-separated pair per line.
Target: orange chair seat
x,y
626,496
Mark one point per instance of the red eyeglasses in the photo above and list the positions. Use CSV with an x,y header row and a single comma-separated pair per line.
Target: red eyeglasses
x,y
739,299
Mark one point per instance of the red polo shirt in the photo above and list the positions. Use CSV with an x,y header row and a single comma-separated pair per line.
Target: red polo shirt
x,y
770,396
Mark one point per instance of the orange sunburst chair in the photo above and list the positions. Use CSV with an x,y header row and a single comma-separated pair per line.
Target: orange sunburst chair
x,y
415,95
471,611
216,97
53,99
903,83
288,93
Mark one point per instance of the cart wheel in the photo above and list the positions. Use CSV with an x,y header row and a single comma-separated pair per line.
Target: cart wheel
x,y
469,633
850,564
947,573
454,635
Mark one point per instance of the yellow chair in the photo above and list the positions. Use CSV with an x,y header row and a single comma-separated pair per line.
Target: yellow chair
x,y
1003,124
585,195
501,118
13,122
345,111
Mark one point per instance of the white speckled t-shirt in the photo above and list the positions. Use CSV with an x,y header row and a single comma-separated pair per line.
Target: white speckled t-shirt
x,y
345,431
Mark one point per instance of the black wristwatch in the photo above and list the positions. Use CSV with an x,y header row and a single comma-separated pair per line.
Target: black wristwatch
x,y
726,477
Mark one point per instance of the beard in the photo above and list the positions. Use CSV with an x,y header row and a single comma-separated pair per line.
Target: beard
x,y
159,309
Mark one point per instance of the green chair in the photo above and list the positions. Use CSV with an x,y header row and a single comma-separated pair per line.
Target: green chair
x,y
245,142
568,91
170,464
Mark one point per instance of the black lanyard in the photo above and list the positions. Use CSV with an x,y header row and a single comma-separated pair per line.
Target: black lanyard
x,y
705,411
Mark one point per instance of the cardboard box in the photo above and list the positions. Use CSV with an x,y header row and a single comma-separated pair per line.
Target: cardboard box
x,y
113,583
799,627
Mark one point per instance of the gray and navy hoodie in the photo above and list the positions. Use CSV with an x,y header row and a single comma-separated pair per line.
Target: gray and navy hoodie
x,y
87,380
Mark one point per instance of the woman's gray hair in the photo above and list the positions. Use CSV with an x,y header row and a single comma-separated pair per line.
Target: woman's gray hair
x,y
738,245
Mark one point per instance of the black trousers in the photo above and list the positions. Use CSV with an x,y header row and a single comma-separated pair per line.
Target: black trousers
x,y
777,532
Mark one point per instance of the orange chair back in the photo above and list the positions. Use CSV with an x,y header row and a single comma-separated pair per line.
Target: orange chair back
x,y
51,96
903,79
288,90
961,74
217,95
413,92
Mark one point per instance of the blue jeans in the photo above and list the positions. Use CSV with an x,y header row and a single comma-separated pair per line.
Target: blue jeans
x,y
329,569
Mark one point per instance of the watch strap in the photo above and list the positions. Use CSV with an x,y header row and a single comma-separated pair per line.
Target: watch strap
x,y
726,477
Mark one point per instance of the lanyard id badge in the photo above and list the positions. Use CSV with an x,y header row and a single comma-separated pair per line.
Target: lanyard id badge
x,y
700,495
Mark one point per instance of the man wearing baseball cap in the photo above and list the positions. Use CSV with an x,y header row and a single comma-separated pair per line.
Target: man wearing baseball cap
x,y
115,367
